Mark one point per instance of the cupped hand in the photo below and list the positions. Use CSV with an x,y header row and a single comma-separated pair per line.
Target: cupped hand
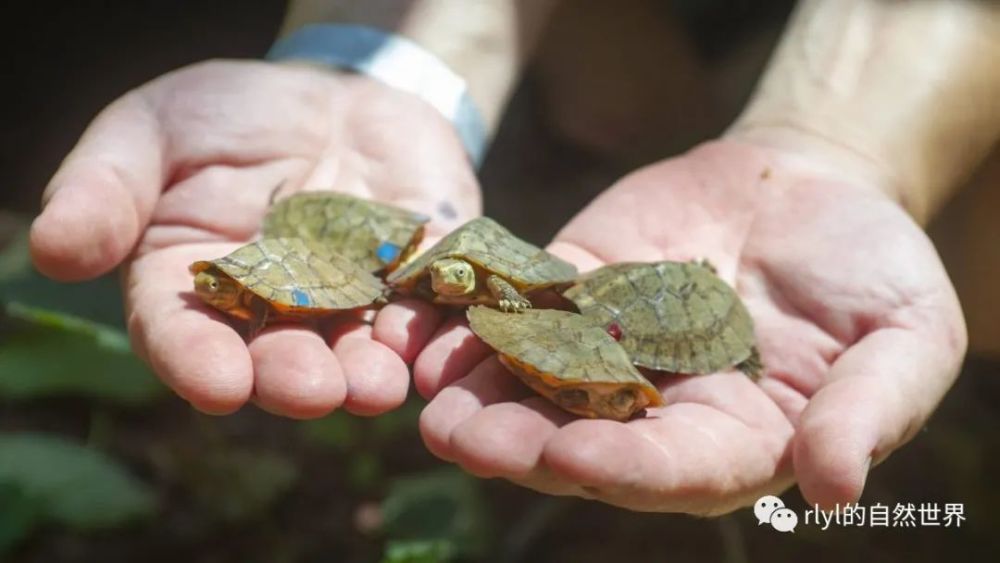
x,y
182,168
858,325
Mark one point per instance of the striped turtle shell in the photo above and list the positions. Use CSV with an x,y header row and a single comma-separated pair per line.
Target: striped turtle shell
x,y
568,359
376,236
672,316
294,278
489,246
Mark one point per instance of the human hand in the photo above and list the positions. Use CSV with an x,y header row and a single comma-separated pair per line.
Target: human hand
x,y
858,325
182,168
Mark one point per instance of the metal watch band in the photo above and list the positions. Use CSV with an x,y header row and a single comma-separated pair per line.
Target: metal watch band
x,y
395,61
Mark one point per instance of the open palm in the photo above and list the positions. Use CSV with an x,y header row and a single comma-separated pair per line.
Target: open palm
x,y
182,169
858,325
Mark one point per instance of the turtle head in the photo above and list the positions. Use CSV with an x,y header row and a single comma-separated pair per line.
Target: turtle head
x,y
451,276
619,404
600,401
217,290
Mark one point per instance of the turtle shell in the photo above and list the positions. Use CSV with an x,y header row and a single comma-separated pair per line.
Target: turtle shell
x,y
374,235
673,316
295,278
489,246
567,358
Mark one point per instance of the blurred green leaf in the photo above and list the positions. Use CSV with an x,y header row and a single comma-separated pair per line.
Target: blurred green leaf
x,y
71,484
97,300
393,423
48,353
64,339
18,515
364,471
444,505
418,552
15,258
339,430
235,484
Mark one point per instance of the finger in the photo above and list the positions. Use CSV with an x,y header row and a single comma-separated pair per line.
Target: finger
x,y
189,345
377,379
219,201
542,480
100,199
451,354
882,390
686,457
406,327
730,392
796,355
295,373
506,439
649,465
796,352
488,383
576,255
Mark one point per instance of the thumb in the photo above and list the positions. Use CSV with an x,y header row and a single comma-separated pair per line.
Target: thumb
x,y
99,201
582,258
881,391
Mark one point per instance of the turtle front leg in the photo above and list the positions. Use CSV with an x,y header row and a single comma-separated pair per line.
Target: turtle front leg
x,y
752,366
508,299
704,263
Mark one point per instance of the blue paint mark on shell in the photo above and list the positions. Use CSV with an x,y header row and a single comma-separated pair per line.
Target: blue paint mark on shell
x,y
300,298
387,252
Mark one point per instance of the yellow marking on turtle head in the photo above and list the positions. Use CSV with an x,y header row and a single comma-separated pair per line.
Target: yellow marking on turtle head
x,y
453,277
219,291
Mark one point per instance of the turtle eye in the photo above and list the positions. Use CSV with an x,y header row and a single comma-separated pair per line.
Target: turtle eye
x,y
213,285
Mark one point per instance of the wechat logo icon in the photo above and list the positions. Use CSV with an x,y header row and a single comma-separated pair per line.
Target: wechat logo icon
x,y
771,510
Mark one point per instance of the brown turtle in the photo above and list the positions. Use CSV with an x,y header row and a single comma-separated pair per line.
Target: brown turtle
x,y
672,316
376,236
481,262
568,359
283,279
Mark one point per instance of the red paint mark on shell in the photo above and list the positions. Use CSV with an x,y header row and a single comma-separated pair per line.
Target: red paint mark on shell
x,y
615,331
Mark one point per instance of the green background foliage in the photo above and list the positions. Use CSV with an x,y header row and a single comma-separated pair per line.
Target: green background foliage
x,y
67,342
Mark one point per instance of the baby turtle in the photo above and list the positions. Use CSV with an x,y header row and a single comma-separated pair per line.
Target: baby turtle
x,y
481,262
672,316
283,279
376,236
568,359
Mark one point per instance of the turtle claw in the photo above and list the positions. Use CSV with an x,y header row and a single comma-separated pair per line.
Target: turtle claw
x,y
514,305
508,299
753,367
705,263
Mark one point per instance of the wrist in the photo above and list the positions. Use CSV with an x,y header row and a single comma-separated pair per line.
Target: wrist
x,y
484,42
903,92
828,155
394,61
